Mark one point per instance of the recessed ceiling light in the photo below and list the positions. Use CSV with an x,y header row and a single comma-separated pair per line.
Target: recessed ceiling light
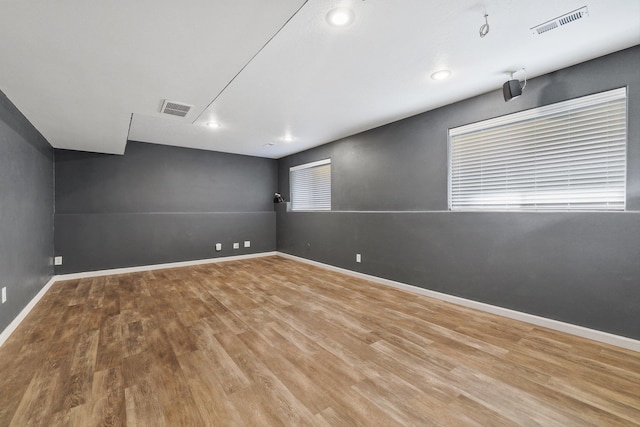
x,y
213,124
287,138
441,75
340,17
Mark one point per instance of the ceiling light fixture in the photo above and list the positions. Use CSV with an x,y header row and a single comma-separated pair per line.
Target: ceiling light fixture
x,y
441,75
287,138
340,17
213,124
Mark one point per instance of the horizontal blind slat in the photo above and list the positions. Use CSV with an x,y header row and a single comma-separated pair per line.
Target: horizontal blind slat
x,y
570,155
310,186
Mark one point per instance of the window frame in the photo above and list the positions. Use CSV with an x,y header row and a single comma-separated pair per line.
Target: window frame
x,y
530,116
309,166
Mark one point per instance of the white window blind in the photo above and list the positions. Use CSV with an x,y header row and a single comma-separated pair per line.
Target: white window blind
x,y
311,186
566,156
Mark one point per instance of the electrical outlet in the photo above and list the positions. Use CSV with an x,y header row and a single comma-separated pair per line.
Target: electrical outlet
x,y
57,260
4,294
236,246
218,247
247,243
358,258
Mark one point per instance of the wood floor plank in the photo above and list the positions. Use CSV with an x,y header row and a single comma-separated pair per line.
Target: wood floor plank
x,y
142,406
36,403
288,373
208,393
265,384
107,404
270,342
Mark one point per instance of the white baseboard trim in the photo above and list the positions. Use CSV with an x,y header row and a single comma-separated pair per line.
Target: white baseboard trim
x,y
581,331
25,311
569,328
137,269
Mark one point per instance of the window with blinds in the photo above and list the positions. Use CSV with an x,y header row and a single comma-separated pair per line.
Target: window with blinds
x,y
310,186
562,157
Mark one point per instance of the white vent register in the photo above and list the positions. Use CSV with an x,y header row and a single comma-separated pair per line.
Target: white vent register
x,y
558,22
175,108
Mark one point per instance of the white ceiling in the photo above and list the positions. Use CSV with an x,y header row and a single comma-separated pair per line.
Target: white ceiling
x,y
90,75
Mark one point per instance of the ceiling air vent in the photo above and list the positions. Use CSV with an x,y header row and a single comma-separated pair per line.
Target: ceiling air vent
x,y
558,22
175,108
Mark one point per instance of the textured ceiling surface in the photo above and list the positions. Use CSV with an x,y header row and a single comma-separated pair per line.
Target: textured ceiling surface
x,y
275,76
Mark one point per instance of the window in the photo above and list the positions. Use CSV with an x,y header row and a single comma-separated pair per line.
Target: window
x,y
311,186
566,156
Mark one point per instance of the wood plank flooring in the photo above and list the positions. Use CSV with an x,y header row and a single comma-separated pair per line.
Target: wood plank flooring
x,y
273,342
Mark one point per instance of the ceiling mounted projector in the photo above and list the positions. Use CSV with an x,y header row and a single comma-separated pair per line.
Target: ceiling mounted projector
x,y
511,89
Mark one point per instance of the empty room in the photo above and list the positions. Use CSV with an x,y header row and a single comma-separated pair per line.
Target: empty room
x,y
320,212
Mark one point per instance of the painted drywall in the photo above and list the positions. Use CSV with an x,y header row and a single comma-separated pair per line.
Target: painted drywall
x,y
389,201
158,204
26,210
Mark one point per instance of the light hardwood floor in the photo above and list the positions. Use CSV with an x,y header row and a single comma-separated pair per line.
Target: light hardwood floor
x,y
270,342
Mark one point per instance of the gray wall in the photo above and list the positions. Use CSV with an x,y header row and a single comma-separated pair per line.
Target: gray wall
x,y
581,268
26,210
158,204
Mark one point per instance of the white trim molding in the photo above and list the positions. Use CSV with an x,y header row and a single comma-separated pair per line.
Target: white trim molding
x,y
581,331
125,270
25,311
569,328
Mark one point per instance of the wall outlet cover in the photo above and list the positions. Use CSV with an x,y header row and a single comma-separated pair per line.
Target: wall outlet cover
x,y
4,294
247,243
218,247
57,260
358,258
236,246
